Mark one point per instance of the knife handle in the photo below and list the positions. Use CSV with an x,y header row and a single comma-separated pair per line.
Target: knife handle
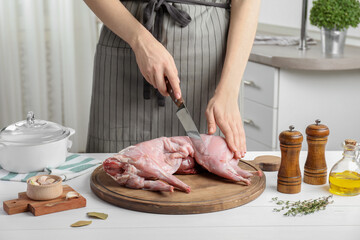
x,y
170,90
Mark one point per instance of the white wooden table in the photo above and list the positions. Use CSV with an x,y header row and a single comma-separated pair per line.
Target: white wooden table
x,y
255,220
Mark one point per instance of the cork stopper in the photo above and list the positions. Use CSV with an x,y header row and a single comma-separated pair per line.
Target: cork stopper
x,y
317,130
290,137
350,142
350,145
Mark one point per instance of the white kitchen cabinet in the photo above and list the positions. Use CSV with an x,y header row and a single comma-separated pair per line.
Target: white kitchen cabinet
x,y
273,98
260,122
261,84
254,144
259,100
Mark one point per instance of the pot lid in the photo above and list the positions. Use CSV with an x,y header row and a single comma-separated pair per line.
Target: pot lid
x,y
33,131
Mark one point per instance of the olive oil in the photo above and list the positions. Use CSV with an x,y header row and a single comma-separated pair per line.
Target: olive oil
x,y
344,177
346,183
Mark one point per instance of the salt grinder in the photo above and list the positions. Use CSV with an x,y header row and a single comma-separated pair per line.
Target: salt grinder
x,y
315,170
289,175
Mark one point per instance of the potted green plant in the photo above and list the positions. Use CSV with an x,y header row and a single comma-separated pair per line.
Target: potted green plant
x,y
334,17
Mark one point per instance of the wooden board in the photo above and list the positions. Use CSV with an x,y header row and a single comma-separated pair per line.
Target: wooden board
x,y
268,163
24,204
209,193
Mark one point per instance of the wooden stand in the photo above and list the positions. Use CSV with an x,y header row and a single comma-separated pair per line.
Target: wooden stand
x,y
315,169
25,204
267,163
289,175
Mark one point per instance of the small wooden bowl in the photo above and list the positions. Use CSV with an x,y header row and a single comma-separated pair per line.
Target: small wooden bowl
x,y
44,192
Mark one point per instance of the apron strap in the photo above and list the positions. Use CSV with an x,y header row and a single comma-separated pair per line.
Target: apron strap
x,y
152,23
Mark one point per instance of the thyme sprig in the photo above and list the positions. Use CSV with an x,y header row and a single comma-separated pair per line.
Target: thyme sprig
x,y
302,207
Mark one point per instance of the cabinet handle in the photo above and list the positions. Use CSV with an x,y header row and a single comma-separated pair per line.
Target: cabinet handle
x,y
250,84
249,122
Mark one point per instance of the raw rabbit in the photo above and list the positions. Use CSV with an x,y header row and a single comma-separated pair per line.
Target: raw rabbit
x,y
150,165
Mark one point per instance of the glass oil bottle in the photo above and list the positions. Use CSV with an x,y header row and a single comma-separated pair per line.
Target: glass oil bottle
x,y
344,178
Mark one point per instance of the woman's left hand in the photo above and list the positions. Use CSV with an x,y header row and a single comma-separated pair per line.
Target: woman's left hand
x,y
223,111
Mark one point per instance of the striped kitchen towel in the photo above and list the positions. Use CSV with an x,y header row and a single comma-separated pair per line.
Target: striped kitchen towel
x,y
74,166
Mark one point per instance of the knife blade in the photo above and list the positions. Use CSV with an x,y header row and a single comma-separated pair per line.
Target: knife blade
x,y
186,120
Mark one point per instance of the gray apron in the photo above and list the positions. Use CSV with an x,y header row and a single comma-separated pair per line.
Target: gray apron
x,y
120,115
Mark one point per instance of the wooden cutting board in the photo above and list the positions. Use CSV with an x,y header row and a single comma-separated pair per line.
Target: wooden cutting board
x,y
209,193
25,204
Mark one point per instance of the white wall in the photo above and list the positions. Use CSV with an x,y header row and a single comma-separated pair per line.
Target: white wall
x,y
287,13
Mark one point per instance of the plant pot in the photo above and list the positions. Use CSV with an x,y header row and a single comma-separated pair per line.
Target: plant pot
x,y
333,41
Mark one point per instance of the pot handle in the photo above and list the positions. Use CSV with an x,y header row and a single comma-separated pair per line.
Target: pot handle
x,y
69,142
72,131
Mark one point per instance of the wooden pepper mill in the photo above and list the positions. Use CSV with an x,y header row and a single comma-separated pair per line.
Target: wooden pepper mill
x,y
315,170
289,175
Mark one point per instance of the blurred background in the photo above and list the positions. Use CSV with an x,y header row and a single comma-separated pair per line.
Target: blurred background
x,y
46,60
284,17
47,49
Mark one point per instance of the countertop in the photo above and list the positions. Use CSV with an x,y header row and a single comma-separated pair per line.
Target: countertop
x,y
255,220
289,57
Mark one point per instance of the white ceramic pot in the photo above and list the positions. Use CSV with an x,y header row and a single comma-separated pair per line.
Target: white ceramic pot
x,y
33,145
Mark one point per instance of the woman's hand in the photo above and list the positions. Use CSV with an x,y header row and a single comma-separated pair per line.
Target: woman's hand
x,y
156,63
223,110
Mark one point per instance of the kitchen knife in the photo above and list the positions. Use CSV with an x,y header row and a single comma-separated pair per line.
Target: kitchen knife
x,y
186,120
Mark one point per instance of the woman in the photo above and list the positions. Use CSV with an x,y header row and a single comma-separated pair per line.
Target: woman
x,y
199,44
